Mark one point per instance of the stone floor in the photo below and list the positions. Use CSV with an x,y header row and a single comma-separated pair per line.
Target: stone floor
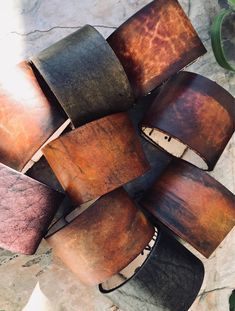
x,y
26,27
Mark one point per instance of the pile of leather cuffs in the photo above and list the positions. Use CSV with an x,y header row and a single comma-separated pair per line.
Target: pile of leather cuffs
x,y
90,83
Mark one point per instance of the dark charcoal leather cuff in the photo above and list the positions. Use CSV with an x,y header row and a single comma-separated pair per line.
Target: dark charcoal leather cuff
x,y
104,239
28,116
193,205
192,118
85,75
97,158
26,210
155,43
169,279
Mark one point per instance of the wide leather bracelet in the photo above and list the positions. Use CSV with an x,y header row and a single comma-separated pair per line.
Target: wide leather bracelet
x,y
28,117
97,158
103,239
193,205
169,279
85,75
192,118
155,43
26,210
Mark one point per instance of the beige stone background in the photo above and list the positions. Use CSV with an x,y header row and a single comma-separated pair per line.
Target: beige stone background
x,y
26,27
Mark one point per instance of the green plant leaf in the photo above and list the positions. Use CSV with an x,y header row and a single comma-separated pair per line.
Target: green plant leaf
x,y
231,3
232,301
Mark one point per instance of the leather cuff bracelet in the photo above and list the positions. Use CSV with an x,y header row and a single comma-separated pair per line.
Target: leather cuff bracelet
x,y
155,43
28,119
192,118
103,239
169,279
26,210
193,205
96,158
85,75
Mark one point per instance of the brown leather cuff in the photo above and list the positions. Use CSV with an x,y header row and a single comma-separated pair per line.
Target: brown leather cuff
x,y
28,117
26,210
155,43
193,205
103,239
85,75
97,158
192,118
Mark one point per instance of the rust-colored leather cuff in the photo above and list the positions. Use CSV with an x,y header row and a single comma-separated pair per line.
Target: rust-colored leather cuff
x,y
26,210
85,75
192,118
155,43
169,279
103,239
97,158
28,116
193,205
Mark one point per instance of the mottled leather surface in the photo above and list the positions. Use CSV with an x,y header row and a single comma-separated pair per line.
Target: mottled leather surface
x,y
85,75
28,117
193,205
155,43
196,111
97,158
104,239
169,280
26,210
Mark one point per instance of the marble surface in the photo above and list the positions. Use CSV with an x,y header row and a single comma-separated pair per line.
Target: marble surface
x,y
28,26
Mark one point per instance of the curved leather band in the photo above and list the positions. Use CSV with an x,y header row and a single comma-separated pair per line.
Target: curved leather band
x,y
169,279
26,210
155,43
103,239
193,205
193,118
97,158
28,116
85,75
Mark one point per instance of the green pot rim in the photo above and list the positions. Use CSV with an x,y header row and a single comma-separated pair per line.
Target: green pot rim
x,y
216,39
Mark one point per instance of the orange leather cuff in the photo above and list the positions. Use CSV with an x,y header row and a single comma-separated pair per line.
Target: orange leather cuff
x,y
155,43
194,114
193,205
28,116
96,158
103,239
